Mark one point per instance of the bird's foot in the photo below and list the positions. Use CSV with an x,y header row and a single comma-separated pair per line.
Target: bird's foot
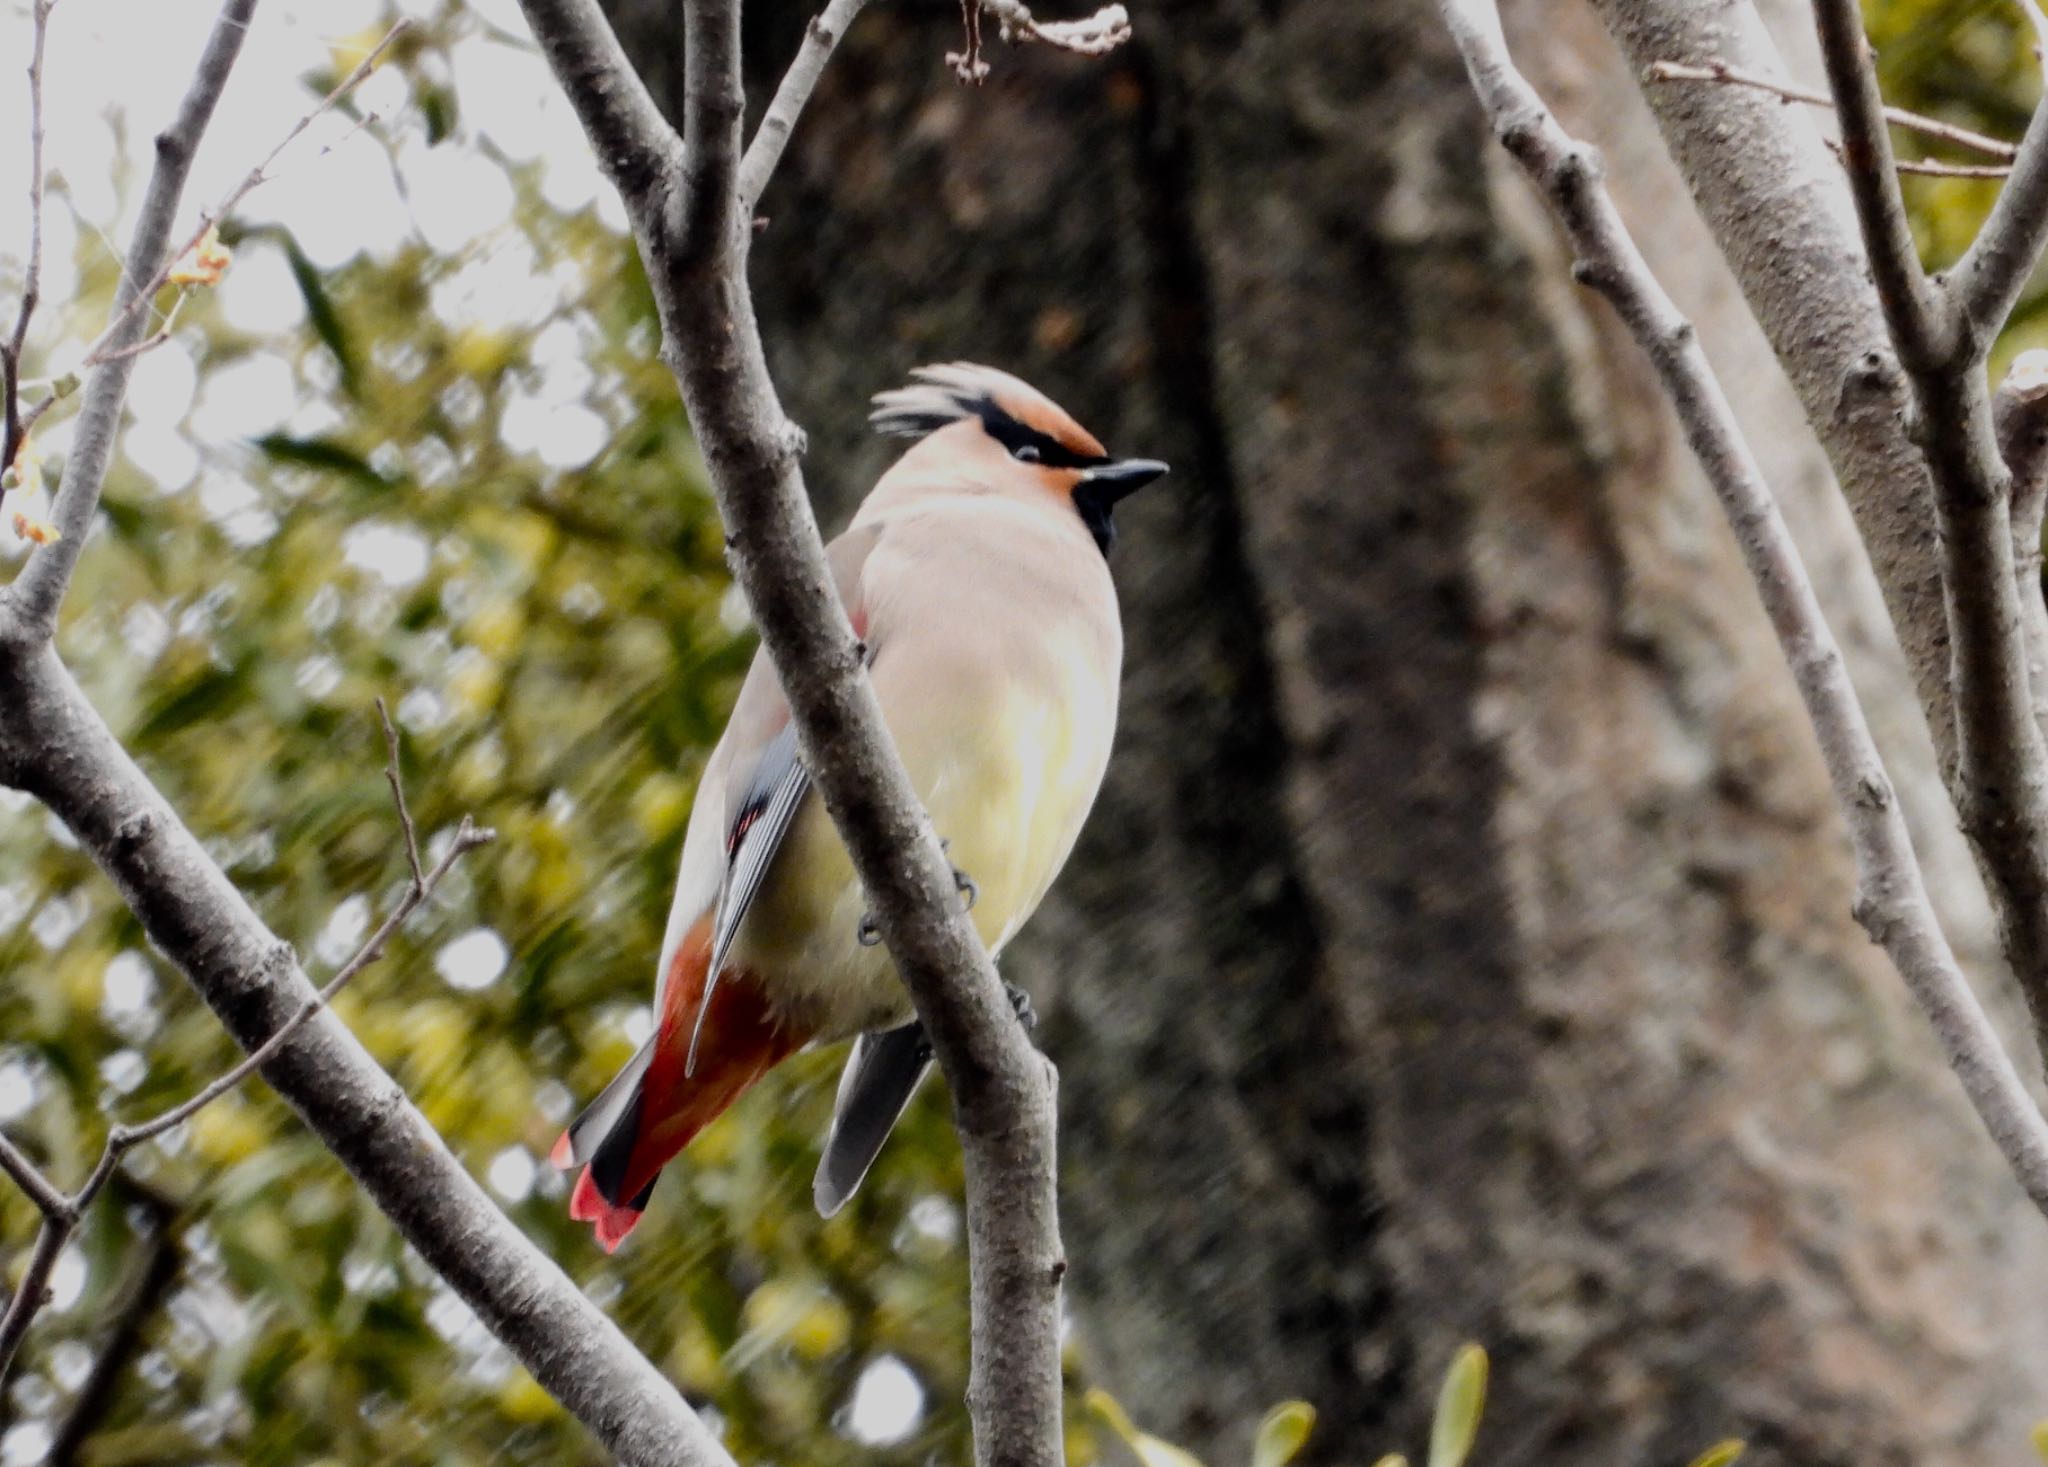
x,y
962,882
870,931
1020,1004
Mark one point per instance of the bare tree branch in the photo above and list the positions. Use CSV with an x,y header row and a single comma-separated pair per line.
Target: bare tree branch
x,y
1721,74
1773,198
467,838
1919,324
2000,784
393,776
40,1189
821,37
696,252
64,1212
1891,900
1935,168
115,343
633,142
31,602
34,1291
142,1295
32,274
253,179
2019,412
54,746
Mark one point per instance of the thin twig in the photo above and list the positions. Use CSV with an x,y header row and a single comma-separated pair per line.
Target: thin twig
x,y
117,342
1935,168
31,282
2038,19
821,36
63,1213
28,609
391,775
142,1294
1892,901
40,1189
468,837
34,1290
147,344
1723,75
1913,309
99,352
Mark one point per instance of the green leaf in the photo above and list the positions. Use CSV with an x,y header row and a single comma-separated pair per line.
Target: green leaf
x,y
1720,1454
1151,1451
437,109
1457,1409
321,312
204,698
320,453
1282,1433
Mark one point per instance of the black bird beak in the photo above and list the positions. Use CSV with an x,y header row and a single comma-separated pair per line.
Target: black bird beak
x,y
1113,480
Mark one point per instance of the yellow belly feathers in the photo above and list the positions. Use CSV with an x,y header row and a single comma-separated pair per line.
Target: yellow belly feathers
x,y
1008,773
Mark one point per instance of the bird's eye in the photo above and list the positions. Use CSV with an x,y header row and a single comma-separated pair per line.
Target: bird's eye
x,y
1025,453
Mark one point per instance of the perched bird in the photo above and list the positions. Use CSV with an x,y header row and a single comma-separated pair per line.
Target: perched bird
x,y
976,575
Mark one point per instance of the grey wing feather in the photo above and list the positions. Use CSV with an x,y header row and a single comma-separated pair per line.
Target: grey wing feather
x,y
599,1118
773,797
881,1075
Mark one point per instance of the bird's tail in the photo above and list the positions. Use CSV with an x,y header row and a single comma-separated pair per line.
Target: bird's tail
x,y
651,1110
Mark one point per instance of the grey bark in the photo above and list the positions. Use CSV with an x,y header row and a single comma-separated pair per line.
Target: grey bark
x,y
1462,945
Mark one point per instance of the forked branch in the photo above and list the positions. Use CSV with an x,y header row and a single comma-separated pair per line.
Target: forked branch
x,y
63,1212
1939,334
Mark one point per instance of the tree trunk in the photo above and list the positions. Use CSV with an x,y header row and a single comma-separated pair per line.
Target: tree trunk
x,y
1461,948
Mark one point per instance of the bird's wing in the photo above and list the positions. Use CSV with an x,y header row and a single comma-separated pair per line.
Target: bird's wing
x,y
881,1075
769,804
764,743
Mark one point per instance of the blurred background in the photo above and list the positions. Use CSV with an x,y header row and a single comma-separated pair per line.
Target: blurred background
x,y
1460,949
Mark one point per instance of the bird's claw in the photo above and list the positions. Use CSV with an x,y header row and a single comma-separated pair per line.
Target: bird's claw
x,y
962,882
870,931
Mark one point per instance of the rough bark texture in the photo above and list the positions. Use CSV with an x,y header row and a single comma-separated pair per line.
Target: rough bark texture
x,y
1461,948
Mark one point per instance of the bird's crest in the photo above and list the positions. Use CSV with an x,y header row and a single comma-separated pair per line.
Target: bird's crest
x,y
1011,410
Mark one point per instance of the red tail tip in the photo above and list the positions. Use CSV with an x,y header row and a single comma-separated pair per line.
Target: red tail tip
x,y
612,1223
563,1156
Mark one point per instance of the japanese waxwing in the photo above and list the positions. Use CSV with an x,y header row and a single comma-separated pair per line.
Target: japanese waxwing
x,y
976,574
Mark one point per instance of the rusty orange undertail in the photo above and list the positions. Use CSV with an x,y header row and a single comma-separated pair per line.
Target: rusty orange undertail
x,y
740,1043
